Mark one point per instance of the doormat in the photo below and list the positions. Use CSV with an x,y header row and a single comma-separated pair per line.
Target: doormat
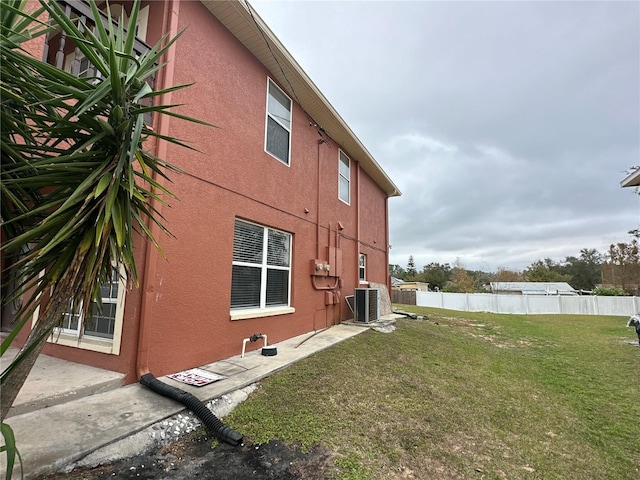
x,y
196,377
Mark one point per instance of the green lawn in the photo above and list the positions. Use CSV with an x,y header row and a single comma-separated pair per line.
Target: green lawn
x,y
464,396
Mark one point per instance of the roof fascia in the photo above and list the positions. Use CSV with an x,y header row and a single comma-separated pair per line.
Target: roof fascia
x,y
632,180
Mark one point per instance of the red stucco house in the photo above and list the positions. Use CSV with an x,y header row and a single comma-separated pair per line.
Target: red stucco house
x,y
282,215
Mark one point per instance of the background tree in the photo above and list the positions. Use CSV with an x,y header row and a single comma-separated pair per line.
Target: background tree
x,y
505,275
585,270
411,270
77,184
481,280
460,281
545,271
397,271
436,275
622,268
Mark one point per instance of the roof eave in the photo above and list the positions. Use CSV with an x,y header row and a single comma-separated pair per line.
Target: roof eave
x,y
247,26
632,180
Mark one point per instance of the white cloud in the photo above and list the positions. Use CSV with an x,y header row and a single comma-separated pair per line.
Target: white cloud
x,y
507,125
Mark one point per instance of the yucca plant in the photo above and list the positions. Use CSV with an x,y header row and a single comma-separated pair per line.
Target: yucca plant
x,y
77,182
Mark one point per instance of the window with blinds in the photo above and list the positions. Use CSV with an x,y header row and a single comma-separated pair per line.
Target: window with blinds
x,y
278,128
261,269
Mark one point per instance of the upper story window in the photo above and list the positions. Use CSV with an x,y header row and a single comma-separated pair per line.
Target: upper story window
x,y
362,268
74,61
278,129
344,178
260,277
62,51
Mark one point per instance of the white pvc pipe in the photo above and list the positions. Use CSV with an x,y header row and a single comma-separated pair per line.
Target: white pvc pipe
x,y
244,342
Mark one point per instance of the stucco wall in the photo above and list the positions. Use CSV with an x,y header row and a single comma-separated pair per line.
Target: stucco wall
x,y
235,178
231,176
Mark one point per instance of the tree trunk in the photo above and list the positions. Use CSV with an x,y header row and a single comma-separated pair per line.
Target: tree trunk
x,y
51,313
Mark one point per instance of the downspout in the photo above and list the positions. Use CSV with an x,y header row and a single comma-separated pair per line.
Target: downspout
x,y
320,142
170,25
313,279
358,226
213,424
386,243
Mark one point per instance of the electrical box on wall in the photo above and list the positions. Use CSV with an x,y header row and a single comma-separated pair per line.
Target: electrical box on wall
x,y
329,298
318,268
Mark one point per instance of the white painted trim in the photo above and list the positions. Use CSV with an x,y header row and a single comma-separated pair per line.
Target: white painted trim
x,y
258,313
87,342
265,267
348,179
266,123
362,256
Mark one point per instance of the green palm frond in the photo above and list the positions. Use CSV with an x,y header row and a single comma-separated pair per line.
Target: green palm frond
x,y
77,182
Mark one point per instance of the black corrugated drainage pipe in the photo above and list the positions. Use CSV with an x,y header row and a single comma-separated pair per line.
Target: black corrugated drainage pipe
x,y
213,424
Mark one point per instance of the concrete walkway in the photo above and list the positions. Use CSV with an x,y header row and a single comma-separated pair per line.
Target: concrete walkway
x,y
53,381
51,437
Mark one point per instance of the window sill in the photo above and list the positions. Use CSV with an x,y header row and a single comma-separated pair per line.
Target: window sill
x,y
363,283
257,313
85,343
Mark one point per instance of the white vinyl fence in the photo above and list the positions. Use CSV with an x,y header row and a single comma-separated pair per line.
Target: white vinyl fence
x,y
487,302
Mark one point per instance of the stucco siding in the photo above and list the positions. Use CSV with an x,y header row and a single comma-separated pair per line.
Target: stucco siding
x,y
229,176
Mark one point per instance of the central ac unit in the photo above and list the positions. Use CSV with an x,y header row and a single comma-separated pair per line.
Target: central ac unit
x,y
366,303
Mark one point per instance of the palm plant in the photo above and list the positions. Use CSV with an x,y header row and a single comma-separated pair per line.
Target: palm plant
x,y
77,182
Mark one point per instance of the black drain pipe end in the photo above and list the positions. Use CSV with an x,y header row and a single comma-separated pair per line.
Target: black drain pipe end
x,y
213,423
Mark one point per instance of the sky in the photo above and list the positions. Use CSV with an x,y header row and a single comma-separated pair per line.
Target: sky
x,y
506,125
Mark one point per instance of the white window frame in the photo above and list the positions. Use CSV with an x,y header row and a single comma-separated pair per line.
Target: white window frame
x,y
75,338
240,313
341,176
362,268
268,116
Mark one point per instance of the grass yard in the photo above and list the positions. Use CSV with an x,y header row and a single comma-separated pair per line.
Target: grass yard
x,y
464,396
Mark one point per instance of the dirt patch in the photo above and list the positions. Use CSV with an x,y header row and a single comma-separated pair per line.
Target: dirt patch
x,y
192,457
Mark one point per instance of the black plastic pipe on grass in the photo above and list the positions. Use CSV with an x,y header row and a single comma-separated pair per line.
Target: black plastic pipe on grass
x,y
213,423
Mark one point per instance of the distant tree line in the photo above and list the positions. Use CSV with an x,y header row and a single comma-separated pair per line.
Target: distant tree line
x,y
616,272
